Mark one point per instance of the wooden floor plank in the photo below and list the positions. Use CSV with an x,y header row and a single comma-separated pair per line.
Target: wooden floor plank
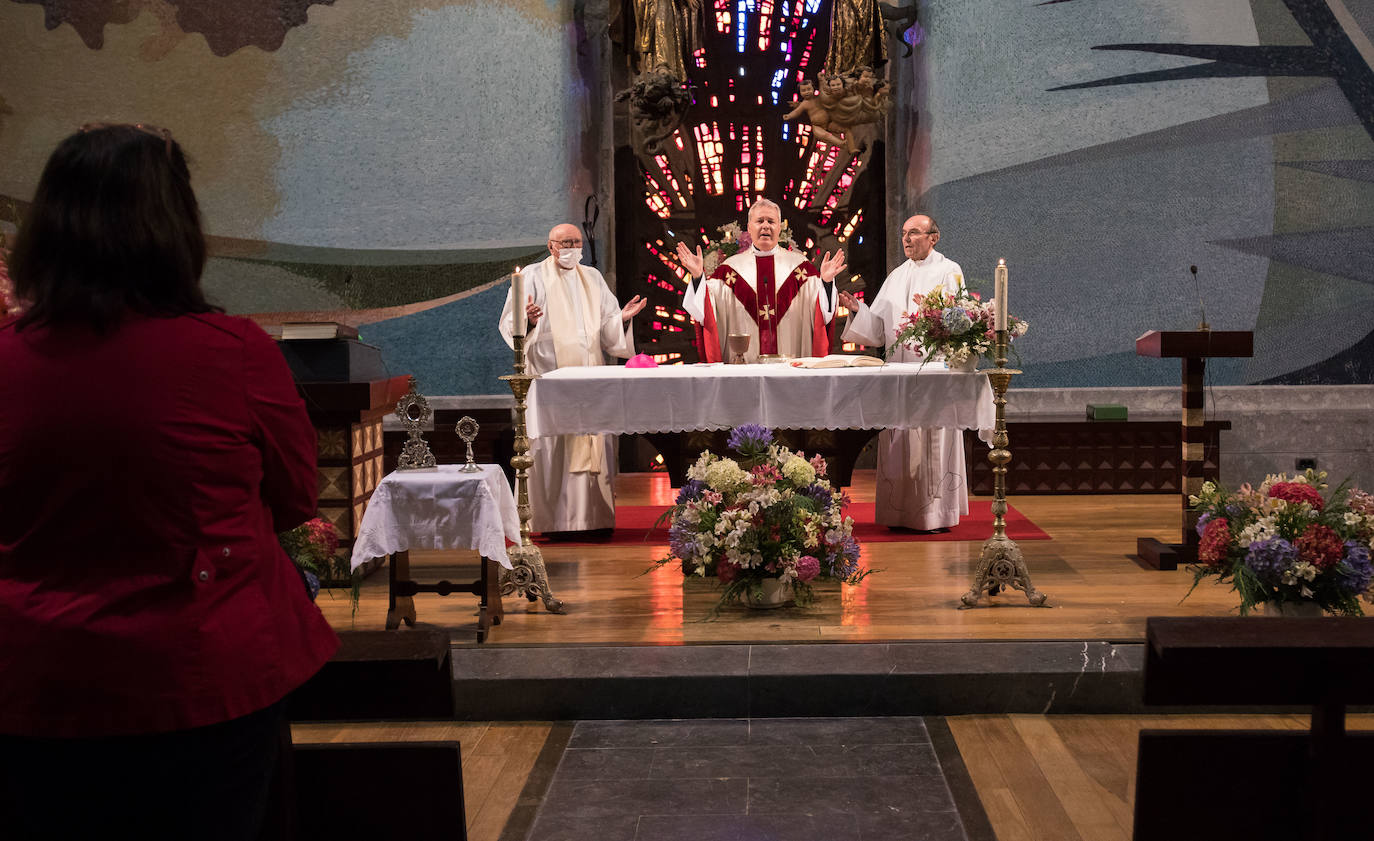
x,y
1044,813
520,746
1079,795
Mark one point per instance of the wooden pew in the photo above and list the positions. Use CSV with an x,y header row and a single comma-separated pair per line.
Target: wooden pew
x,y
1257,785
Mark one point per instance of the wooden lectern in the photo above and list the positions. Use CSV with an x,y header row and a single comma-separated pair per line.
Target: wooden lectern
x,y
1194,347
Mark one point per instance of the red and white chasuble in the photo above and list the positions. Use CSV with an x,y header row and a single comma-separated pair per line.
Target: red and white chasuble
x,y
776,297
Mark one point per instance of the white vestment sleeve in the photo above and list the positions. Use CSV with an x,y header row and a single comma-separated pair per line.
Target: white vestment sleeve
x,y
826,295
694,299
866,328
617,340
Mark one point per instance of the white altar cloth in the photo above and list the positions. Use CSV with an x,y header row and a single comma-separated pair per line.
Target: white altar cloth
x,y
439,508
676,398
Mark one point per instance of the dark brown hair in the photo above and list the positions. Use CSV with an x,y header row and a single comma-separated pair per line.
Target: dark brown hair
x,y
114,229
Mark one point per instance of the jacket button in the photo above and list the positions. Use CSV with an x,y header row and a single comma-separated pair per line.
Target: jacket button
x,y
204,575
226,551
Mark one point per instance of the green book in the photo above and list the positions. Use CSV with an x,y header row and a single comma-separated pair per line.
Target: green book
x,y
1106,411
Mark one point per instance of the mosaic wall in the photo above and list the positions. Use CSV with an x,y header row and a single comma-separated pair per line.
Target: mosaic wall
x,y
385,164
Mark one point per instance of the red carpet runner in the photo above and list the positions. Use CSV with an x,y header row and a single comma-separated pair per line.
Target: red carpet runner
x,y
633,523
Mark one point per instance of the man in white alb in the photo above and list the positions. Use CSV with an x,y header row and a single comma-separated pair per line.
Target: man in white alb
x,y
574,319
777,297
921,476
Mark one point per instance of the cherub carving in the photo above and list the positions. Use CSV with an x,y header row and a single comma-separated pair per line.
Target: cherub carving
x,y
843,103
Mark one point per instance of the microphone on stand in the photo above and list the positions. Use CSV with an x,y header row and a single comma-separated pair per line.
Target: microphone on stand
x,y
1203,325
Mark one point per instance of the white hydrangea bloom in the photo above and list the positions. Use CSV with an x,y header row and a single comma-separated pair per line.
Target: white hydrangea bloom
x,y
798,471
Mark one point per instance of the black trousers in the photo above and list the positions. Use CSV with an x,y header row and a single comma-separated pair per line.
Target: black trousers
x,y
212,782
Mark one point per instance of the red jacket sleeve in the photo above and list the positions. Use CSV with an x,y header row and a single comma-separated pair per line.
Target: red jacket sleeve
x,y
282,431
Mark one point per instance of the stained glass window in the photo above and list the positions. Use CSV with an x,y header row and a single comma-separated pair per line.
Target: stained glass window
x,y
734,147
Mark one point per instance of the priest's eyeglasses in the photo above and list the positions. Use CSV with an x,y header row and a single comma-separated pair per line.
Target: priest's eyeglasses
x,y
914,234
567,243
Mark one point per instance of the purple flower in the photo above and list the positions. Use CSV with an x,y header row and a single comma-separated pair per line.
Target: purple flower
x,y
820,493
749,438
1202,522
844,561
682,540
1269,558
1355,569
690,490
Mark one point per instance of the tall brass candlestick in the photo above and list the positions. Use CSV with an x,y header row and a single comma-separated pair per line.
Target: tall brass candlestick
x,y
1001,564
527,575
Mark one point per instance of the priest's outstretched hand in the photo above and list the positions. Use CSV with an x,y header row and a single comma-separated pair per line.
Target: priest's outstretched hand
x,y
695,264
632,308
831,266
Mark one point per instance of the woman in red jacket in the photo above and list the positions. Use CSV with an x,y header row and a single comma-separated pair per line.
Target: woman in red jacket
x,y
151,448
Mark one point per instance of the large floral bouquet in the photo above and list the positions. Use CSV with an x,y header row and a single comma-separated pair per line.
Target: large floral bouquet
x,y
956,324
733,239
770,514
1286,542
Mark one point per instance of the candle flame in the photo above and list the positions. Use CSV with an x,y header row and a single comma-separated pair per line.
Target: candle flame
x,y
517,270
1001,261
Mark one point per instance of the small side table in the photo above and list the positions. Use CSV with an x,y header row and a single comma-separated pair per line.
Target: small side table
x,y
440,508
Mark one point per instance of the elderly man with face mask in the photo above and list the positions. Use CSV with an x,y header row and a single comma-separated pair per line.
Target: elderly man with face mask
x,y
921,475
777,297
574,319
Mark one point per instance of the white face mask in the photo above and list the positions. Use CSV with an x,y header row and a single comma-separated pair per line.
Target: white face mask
x,y
569,257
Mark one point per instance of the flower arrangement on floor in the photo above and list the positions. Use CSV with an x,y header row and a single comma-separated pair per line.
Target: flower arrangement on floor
x,y
957,325
1284,542
771,514
313,547
734,239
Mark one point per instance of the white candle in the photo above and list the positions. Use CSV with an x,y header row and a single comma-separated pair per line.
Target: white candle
x,y
1000,296
517,299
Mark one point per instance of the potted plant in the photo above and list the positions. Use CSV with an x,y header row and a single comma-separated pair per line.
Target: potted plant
x,y
1287,545
765,524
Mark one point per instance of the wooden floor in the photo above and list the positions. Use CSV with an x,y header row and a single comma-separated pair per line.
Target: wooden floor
x,y
1096,590
1040,778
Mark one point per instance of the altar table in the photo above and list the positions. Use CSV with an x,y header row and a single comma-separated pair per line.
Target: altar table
x,y
676,398
440,508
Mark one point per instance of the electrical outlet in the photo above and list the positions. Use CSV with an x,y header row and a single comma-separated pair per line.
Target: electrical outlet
x,y
1305,464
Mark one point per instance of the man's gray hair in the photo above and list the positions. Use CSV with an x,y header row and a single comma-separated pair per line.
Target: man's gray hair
x,y
763,202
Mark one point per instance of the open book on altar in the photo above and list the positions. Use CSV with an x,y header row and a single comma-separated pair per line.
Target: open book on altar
x,y
836,360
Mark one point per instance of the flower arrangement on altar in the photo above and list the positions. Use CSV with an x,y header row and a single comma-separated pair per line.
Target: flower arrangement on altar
x,y
313,547
734,239
1286,542
769,516
957,325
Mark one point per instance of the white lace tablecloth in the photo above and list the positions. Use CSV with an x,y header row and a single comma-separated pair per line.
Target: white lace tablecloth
x,y
439,508
677,398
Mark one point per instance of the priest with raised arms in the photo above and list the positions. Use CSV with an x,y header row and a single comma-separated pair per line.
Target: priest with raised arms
x,y
574,319
778,297
922,482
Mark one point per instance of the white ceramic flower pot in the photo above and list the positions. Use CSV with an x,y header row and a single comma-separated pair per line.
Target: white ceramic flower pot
x,y
968,366
776,593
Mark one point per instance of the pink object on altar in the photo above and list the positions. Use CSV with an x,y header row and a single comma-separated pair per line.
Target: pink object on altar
x,y
641,360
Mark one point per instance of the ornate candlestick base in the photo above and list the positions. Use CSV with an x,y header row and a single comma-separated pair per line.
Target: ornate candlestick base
x,y
527,575
1001,565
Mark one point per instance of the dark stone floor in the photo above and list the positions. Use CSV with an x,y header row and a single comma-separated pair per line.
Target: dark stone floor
x,y
763,779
